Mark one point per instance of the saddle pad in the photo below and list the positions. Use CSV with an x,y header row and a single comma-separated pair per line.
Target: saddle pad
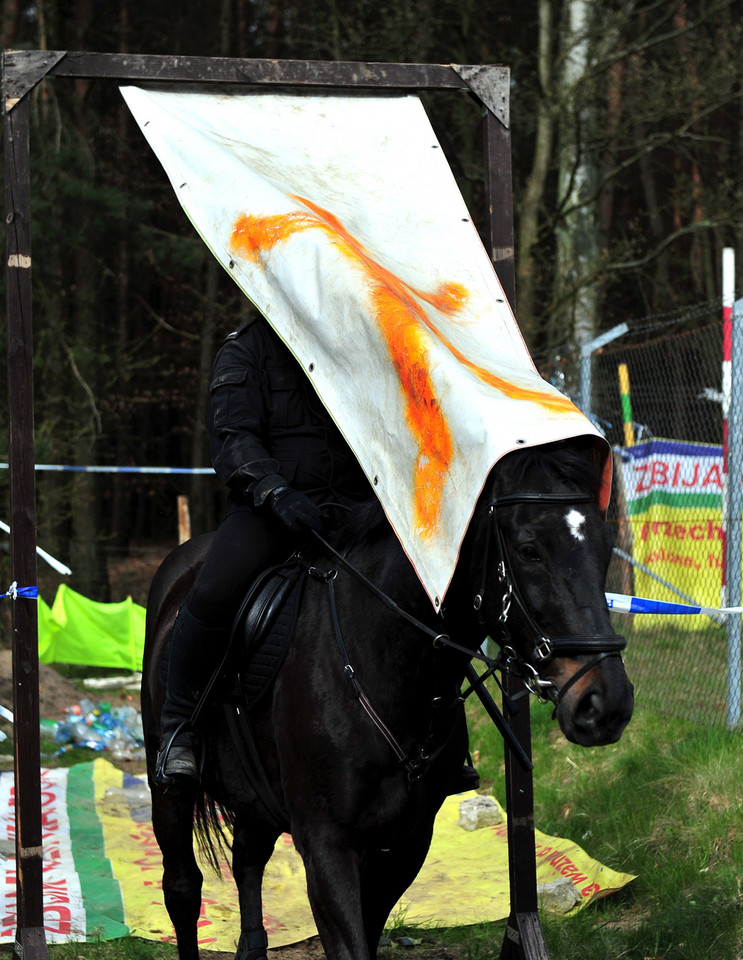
x,y
263,628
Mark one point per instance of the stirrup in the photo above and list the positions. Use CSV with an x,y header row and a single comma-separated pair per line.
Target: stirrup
x,y
166,780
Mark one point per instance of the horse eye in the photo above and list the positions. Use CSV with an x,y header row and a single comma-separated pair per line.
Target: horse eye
x,y
528,552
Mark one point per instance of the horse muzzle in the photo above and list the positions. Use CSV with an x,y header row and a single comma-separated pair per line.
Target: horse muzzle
x,y
594,701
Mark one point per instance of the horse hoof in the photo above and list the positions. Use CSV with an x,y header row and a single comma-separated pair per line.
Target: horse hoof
x,y
252,945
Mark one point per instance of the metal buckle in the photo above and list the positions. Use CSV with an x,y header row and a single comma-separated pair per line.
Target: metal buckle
x,y
543,651
506,604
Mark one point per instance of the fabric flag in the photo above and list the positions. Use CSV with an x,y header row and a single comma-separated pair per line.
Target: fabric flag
x,y
338,216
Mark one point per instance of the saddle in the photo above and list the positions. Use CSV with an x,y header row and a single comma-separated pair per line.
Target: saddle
x,y
259,640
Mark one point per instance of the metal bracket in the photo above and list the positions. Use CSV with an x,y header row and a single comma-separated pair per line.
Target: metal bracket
x,y
491,84
23,69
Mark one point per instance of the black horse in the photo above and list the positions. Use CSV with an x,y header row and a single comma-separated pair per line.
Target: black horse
x,y
358,788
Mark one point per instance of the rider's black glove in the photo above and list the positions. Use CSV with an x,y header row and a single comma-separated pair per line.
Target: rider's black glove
x,y
296,510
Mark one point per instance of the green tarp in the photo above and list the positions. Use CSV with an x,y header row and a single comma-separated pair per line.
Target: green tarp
x,y
78,630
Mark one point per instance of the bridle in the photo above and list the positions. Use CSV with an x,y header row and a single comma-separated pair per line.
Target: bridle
x,y
543,648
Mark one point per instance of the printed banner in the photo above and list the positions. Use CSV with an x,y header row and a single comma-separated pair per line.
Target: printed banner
x,y
673,492
102,870
78,630
339,218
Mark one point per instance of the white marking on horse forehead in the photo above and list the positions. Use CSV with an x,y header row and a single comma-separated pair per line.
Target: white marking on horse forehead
x,y
575,520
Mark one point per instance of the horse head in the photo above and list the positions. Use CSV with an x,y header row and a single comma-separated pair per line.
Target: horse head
x,y
543,549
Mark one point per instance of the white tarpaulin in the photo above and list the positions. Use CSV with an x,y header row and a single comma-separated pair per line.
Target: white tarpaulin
x,y
338,216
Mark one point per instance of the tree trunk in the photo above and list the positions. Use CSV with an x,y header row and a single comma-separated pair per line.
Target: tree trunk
x,y
578,248
532,200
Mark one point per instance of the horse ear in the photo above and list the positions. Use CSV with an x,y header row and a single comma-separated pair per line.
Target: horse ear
x,y
605,463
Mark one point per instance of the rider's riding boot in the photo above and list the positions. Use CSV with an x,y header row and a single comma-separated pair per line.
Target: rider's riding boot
x,y
467,779
195,652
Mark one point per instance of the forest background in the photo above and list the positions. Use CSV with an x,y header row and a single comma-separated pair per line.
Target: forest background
x,y
627,132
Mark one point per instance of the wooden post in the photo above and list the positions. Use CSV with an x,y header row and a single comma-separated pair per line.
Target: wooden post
x,y
498,192
524,939
30,937
184,520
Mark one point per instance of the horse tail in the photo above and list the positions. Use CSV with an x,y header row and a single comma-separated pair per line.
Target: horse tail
x,y
213,825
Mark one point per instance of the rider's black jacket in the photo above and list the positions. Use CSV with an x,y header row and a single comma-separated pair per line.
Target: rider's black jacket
x,y
267,426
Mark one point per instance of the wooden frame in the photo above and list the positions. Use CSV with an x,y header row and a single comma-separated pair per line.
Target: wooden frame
x,y
22,71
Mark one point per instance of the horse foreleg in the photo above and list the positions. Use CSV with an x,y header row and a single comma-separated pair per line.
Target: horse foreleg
x,y
172,821
386,875
332,866
252,846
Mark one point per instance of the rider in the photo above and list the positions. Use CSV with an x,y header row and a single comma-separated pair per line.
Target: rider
x,y
281,455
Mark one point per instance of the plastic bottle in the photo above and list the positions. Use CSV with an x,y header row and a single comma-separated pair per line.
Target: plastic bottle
x,y
48,728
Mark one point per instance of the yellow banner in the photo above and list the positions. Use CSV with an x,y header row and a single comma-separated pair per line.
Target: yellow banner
x,y
464,879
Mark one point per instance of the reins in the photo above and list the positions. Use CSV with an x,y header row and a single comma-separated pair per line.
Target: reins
x,y
544,648
416,766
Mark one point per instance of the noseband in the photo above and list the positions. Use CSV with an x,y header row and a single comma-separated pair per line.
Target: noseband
x,y
544,648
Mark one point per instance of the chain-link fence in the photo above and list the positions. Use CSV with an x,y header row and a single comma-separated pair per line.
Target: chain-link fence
x,y
668,506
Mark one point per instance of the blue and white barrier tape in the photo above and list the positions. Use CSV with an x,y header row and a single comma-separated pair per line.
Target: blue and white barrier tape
x,y
618,602
14,591
621,603
100,469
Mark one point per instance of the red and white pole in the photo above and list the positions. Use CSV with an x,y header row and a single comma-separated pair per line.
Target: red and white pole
x,y
728,299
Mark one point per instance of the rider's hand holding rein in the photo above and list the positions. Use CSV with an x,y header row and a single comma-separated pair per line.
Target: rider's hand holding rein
x,y
296,510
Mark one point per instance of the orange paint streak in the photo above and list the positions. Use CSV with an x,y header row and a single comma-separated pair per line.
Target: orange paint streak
x,y
402,320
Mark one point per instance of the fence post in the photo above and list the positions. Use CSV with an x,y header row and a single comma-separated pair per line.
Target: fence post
x,y
586,350
735,505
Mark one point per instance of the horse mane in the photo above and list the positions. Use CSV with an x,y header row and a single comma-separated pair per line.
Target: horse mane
x,y
576,461
365,521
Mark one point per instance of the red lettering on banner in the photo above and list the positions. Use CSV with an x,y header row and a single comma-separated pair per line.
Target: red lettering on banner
x,y
694,478
713,477
680,531
668,556
641,487
56,891
272,924
658,473
52,858
50,821
64,920
151,859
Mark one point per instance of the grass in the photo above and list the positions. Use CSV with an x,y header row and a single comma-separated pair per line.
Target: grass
x,y
691,662
665,804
